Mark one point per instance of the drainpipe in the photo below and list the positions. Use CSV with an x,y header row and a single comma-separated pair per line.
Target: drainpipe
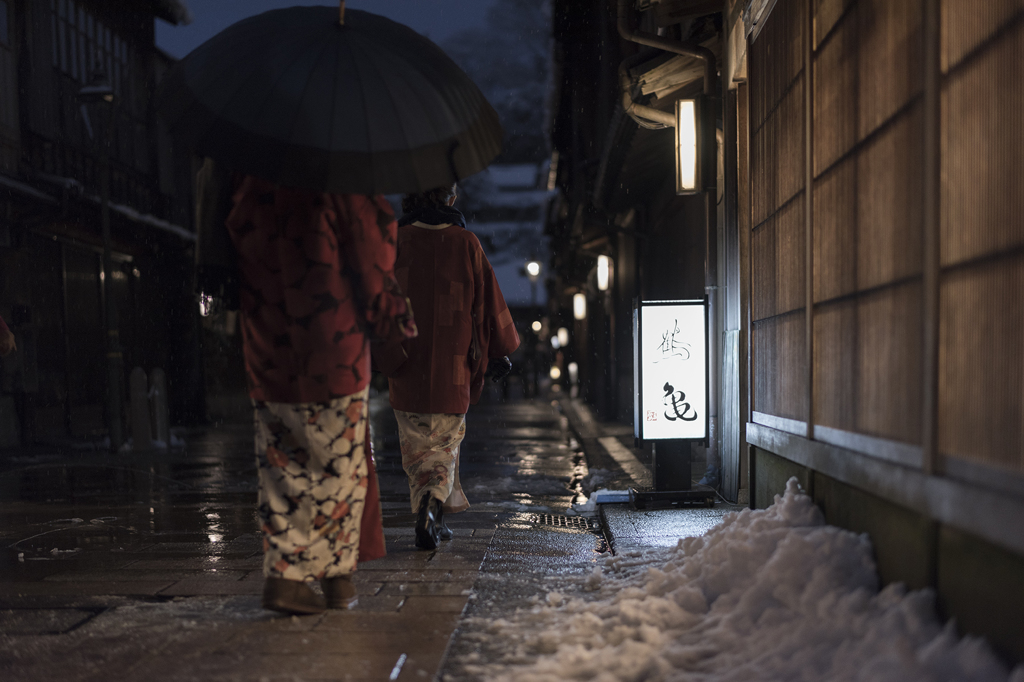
x,y
675,46
711,226
643,115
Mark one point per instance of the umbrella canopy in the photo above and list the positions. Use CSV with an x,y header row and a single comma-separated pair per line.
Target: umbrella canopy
x,y
297,98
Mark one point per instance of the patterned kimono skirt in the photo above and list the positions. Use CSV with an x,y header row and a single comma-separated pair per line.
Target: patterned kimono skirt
x,y
313,484
430,456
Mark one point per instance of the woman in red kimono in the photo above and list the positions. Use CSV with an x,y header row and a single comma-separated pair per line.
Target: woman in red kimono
x,y
464,326
316,279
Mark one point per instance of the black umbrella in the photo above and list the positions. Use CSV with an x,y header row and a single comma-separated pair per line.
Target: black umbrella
x,y
298,98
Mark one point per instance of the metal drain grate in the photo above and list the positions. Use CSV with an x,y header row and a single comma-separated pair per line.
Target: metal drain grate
x,y
571,522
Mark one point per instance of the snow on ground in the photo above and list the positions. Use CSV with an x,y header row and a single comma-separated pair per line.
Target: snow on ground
x,y
773,594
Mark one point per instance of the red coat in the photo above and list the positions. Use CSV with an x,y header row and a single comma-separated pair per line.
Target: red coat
x,y
317,279
461,315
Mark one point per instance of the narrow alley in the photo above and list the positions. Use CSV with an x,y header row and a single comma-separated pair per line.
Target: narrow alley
x,y
725,297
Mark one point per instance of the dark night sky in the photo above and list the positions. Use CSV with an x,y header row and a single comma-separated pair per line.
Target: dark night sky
x,y
436,19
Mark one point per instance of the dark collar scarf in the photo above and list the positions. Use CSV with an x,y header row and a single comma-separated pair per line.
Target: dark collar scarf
x,y
434,215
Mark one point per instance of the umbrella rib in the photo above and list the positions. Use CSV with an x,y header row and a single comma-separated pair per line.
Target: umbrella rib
x,y
396,103
334,109
243,82
305,89
366,115
272,91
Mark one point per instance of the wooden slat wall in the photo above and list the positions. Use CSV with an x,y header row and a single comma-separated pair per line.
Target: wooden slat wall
x,y
867,222
981,247
867,227
778,235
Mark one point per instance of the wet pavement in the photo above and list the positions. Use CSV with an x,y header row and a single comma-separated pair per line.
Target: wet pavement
x,y
148,567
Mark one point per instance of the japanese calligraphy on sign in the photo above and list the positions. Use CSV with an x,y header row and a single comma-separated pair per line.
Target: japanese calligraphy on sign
x,y
670,372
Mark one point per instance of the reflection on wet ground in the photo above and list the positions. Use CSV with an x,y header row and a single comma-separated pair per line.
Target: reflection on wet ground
x,y
150,566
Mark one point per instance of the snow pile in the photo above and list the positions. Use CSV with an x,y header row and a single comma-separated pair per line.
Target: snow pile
x,y
596,478
766,595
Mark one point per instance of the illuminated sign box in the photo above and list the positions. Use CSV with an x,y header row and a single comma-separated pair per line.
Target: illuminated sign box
x,y
670,370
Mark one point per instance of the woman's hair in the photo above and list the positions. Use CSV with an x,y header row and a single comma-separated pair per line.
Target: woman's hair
x,y
438,196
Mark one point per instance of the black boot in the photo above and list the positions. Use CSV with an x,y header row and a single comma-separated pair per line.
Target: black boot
x,y
428,523
445,533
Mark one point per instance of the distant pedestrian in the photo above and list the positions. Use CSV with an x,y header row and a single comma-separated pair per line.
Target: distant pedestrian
x,y
316,283
7,344
465,327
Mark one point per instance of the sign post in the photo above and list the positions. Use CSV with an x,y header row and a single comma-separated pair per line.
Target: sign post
x,y
670,381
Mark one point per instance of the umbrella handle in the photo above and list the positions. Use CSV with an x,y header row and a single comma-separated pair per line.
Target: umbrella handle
x,y
341,13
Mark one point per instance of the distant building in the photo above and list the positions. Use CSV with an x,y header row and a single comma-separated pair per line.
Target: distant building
x,y
54,387
505,209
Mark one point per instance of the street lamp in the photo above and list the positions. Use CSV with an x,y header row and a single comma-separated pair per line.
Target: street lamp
x,y
99,90
688,147
533,273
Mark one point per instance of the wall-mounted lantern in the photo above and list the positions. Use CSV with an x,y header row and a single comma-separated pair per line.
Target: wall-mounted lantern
x,y
579,306
688,147
604,266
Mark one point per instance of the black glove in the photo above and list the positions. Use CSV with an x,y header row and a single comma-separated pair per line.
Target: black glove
x,y
498,368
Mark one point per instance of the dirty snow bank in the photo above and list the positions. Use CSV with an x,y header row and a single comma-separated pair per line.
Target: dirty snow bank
x,y
766,595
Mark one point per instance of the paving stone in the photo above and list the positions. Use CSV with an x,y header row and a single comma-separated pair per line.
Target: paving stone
x,y
41,621
83,587
387,603
440,574
433,604
143,575
201,586
414,624
446,589
203,563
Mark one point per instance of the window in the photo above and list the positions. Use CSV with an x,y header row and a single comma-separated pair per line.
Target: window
x,y
5,37
82,44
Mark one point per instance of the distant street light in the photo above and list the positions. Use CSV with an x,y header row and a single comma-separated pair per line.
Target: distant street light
x,y
563,336
603,272
533,272
100,91
537,326
574,372
579,306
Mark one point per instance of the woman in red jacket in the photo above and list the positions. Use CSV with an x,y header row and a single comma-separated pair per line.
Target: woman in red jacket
x,y
316,273
464,323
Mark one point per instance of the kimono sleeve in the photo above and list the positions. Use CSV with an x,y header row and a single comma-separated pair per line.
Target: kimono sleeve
x,y
494,333
367,235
